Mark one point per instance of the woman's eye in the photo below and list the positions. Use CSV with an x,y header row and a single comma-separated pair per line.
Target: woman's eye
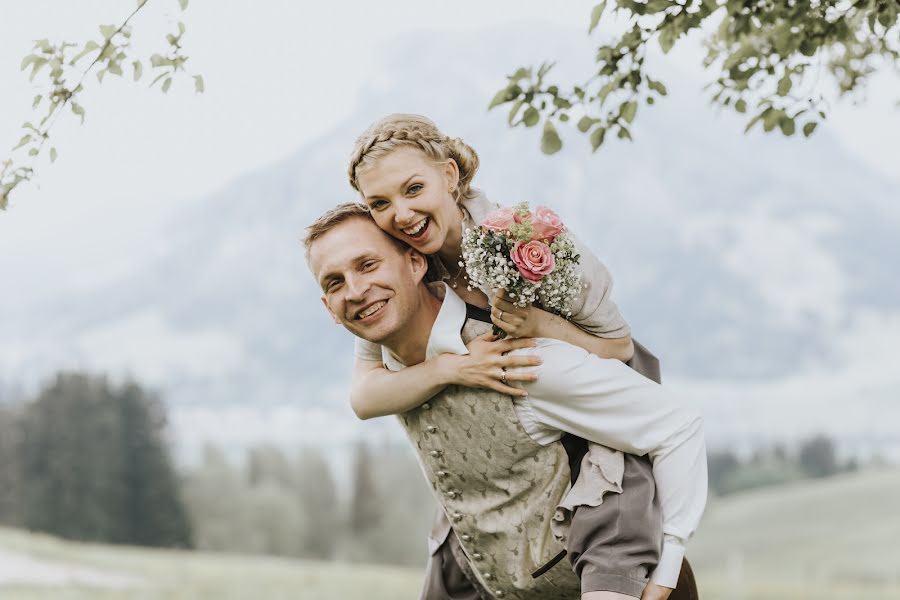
x,y
414,188
378,205
368,265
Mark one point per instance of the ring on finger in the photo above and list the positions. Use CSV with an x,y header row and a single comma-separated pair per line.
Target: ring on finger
x,y
503,375
501,316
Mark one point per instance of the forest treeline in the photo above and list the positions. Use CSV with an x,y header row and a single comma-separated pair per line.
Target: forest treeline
x,y
89,459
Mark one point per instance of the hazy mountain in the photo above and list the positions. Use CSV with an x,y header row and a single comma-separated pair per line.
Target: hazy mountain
x,y
734,256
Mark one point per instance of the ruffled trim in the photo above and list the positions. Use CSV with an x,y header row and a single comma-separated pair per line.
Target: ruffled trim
x,y
601,472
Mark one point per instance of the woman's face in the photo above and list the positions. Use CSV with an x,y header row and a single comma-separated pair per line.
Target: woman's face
x,y
409,197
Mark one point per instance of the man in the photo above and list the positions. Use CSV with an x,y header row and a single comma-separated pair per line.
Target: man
x,y
499,465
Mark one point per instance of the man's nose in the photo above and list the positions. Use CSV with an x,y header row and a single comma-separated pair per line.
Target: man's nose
x,y
357,288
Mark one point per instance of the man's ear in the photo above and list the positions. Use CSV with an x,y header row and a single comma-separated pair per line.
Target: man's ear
x,y
330,312
419,263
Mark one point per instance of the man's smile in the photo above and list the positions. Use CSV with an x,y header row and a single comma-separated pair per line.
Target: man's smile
x,y
370,311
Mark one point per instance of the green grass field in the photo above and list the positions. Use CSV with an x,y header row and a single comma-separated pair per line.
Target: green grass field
x,y
832,539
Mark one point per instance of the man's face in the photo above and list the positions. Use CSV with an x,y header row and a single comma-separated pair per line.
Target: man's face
x,y
369,285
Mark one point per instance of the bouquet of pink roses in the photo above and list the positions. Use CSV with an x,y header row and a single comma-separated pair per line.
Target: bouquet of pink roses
x,y
526,253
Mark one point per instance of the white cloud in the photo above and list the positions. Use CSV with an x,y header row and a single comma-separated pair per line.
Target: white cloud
x,y
782,257
147,346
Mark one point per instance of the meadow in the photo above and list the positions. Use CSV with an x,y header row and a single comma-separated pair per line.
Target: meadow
x,y
828,539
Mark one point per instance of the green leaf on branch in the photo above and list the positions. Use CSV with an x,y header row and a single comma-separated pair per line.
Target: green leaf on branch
x,y
505,95
166,85
770,118
31,58
585,123
808,129
78,110
198,84
752,122
657,87
787,126
624,134
33,152
53,155
667,38
158,60
36,101
89,47
514,111
595,15
25,139
597,138
784,85
107,31
158,77
607,89
550,141
138,69
44,46
628,110
521,73
740,106
531,117
184,4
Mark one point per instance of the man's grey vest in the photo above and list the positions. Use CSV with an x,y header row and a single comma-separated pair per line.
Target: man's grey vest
x,y
498,487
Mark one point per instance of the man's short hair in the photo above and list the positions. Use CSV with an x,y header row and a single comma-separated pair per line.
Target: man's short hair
x,y
340,214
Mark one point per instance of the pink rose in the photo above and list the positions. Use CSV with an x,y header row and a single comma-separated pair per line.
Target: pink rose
x,y
534,259
546,224
501,219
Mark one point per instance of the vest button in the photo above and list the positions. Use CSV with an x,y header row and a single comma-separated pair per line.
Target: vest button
x,y
431,429
436,453
442,474
477,556
457,517
489,576
499,593
466,538
452,494
426,406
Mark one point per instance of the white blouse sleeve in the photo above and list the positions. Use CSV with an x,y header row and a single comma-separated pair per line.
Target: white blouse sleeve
x,y
606,402
593,309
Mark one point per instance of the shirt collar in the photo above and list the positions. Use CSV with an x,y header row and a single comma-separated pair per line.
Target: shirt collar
x,y
446,333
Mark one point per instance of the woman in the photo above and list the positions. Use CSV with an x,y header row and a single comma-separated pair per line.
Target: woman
x,y
416,182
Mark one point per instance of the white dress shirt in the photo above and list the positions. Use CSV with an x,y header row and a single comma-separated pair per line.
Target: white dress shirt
x,y
606,402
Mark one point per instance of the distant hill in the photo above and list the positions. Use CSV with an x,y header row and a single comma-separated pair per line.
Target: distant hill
x,y
828,539
831,538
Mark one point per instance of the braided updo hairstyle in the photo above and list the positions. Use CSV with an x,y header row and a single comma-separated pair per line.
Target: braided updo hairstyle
x,y
397,130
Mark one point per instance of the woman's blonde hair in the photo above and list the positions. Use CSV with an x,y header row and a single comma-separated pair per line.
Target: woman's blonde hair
x,y
396,130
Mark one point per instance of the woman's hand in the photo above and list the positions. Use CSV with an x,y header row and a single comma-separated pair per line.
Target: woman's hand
x,y
487,365
516,320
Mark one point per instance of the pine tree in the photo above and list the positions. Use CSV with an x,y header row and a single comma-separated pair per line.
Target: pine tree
x,y
365,503
317,494
96,466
